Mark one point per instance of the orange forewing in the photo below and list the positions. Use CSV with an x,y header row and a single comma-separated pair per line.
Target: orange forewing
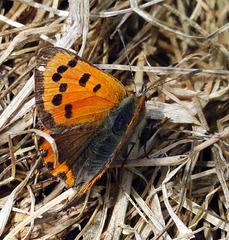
x,y
91,97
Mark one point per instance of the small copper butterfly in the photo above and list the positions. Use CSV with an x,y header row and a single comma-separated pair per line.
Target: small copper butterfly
x,y
87,113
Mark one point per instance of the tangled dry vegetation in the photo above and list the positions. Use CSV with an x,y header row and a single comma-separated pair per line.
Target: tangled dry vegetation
x,y
174,183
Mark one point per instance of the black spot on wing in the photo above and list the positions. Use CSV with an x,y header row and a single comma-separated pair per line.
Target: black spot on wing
x,y
62,69
96,88
49,165
83,80
63,87
56,77
62,175
57,99
72,63
68,111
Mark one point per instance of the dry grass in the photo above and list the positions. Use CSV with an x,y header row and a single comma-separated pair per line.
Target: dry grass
x,y
175,184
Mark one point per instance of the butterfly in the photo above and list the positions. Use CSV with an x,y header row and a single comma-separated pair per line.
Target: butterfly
x,y
86,111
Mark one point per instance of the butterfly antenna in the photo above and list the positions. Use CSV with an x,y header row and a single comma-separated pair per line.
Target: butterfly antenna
x,y
160,83
185,76
124,45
